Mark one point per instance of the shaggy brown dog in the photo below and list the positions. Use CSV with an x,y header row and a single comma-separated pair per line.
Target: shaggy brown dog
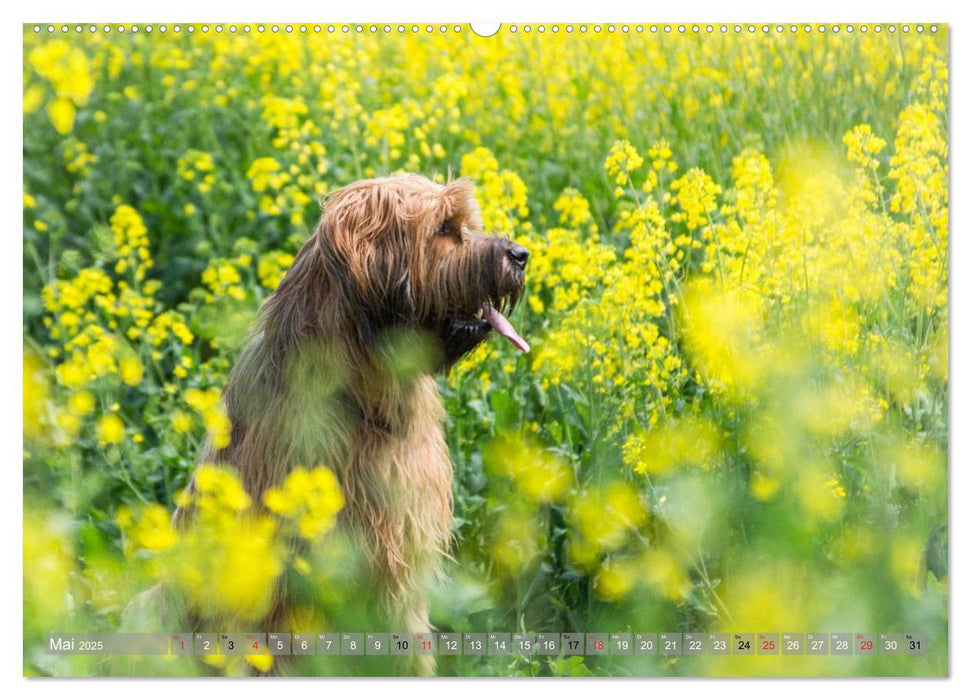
x,y
396,259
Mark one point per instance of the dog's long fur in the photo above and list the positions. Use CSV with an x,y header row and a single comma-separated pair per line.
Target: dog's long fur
x,y
398,259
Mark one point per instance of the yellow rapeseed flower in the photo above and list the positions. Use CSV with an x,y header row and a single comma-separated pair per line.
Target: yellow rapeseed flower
x,y
622,160
110,430
82,403
36,392
604,516
131,370
148,528
686,441
61,112
181,422
539,474
311,499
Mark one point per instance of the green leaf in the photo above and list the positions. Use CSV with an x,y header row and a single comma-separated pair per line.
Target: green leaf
x,y
506,410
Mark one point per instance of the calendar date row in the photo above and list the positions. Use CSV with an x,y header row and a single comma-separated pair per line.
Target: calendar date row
x,y
491,643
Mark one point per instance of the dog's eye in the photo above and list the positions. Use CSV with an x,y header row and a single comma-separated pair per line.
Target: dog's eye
x,y
444,229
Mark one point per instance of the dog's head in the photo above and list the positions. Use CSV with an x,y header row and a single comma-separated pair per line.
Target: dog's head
x,y
404,251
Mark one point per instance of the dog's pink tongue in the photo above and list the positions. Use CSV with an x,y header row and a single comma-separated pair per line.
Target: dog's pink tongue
x,y
502,326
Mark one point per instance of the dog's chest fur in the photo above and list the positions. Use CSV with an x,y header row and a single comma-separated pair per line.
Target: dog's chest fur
x,y
384,440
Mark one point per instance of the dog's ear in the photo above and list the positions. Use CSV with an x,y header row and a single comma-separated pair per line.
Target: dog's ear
x,y
459,197
364,243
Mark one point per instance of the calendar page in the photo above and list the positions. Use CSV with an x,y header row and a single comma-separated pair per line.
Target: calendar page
x,y
514,349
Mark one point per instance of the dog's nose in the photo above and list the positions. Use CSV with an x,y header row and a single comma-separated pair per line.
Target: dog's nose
x,y
519,255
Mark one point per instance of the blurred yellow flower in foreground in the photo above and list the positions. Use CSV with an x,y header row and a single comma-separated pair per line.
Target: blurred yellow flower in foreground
x,y
686,441
723,333
763,486
515,541
664,573
821,494
906,555
36,392
916,465
309,498
832,409
656,567
261,662
48,564
768,595
149,528
228,568
538,473
604,516
218,491
616,578
227,558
